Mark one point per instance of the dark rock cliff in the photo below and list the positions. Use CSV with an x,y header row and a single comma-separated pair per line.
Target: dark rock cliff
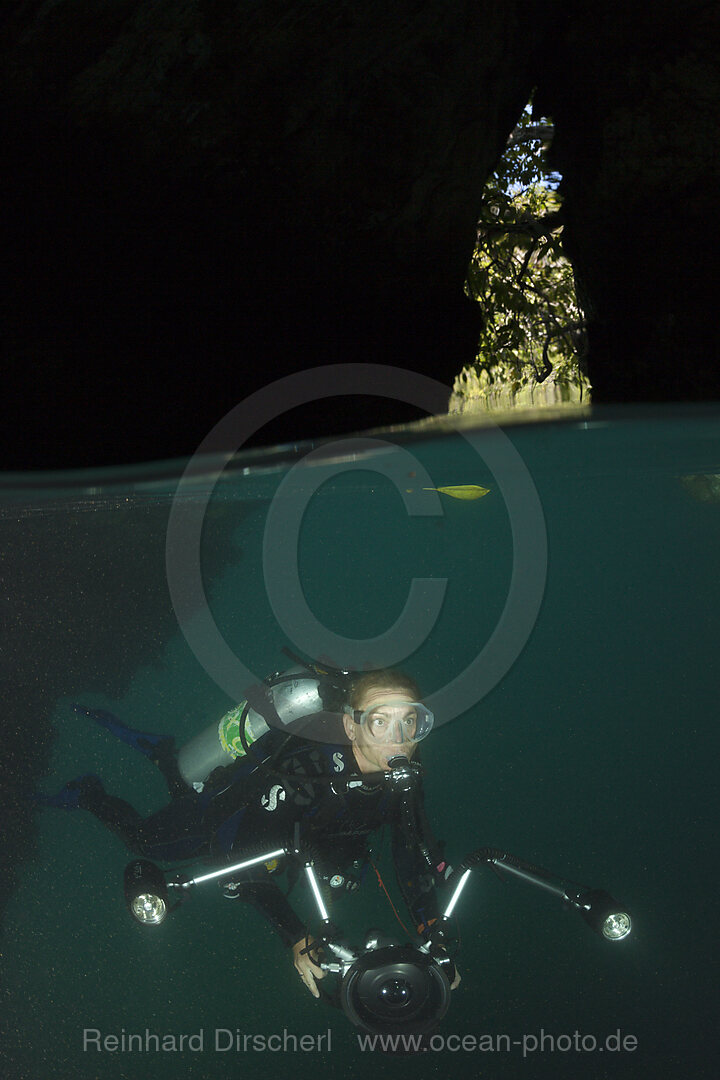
x,y
204,195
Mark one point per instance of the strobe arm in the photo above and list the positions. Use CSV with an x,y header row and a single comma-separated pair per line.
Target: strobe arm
x,y
226,871
602,914
147,891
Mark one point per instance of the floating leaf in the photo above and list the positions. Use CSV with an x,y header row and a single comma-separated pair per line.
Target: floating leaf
x,y
462,491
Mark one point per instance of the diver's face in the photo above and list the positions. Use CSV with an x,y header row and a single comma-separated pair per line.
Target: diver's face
x,y
373,751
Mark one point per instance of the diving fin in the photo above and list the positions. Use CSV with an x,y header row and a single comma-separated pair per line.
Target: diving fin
x,y
147,744
69,797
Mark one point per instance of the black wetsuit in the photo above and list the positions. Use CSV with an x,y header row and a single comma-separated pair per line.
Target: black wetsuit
x,y
255,804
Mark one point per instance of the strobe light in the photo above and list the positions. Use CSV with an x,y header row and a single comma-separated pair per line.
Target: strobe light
x,y
146,893
604,915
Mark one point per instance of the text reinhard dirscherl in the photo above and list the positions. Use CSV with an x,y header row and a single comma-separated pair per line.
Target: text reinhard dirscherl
x,y
220,1040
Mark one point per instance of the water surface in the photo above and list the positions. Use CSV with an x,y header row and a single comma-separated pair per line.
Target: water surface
x,y
593,755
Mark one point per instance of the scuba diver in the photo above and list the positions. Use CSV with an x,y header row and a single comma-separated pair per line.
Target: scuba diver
x,y
305,755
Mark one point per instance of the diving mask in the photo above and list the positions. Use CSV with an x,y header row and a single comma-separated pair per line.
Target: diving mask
x,y
395,722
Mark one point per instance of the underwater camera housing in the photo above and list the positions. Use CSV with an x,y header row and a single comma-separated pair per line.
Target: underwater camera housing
x,y
390,988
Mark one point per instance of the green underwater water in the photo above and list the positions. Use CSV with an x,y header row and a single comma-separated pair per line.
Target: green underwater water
x,y
593,755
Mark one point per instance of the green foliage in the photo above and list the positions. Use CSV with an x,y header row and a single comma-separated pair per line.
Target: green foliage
x,y
533,328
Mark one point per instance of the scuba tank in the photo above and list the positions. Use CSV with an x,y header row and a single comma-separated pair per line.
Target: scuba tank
x,y
219,744
305,700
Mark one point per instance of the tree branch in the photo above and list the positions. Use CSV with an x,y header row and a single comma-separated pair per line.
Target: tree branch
x,y
540,132
536,227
